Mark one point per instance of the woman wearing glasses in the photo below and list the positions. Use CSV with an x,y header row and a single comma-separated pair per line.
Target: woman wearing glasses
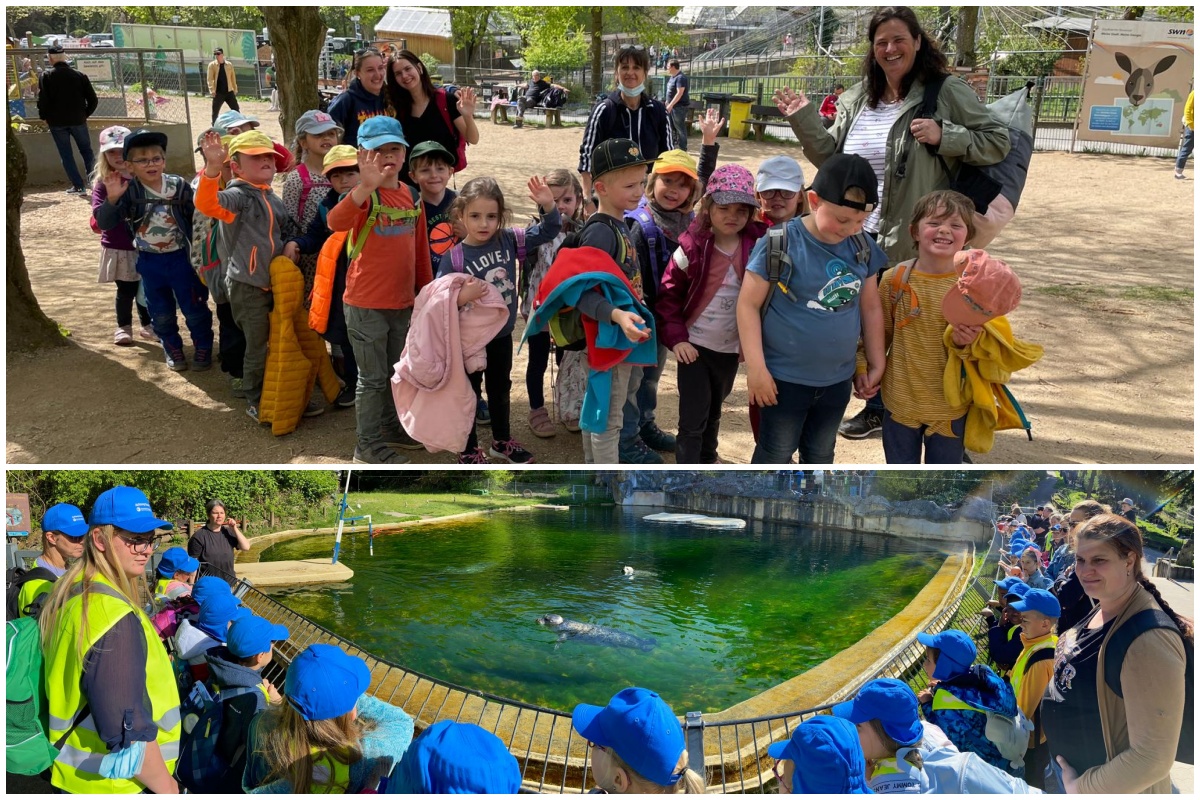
x,y
364,97
430,114
112,697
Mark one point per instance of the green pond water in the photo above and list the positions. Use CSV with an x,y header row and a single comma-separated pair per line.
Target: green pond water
x,y
730,613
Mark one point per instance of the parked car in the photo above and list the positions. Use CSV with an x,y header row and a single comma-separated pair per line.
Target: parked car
x,y
100,40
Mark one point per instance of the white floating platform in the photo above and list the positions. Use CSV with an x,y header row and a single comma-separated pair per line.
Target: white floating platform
x,y
673,517
698,519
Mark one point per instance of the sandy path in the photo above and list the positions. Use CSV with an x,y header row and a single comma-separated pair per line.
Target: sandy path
x,y
1104,244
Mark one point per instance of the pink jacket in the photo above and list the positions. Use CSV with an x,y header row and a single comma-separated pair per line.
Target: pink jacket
x,y
433,395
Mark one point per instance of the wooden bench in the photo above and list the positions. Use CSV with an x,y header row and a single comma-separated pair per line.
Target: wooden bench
x,y
763,117
500,113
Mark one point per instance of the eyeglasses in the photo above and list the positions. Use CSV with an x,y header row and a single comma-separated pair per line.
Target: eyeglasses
x,y
139,544
779,775
149,162
784,194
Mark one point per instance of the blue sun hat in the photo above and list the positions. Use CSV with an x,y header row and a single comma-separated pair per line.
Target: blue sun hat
x,y
375,132
638,726
176,559
957,652
126,508
252,635
324,682
890,701
1039,600
209,586
457,758
827,755
217,612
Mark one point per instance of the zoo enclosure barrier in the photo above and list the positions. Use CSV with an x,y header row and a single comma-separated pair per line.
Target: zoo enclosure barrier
x,y
551,756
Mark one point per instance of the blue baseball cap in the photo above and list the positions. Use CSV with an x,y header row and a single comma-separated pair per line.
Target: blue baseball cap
x,y
232,119
957,652
457,758
827,755
216,612
1007,583
641,728
1018,547
252,635
209,586
324,683
126,508
891,702
64,518
176,559
378,131
1018,589
1038,600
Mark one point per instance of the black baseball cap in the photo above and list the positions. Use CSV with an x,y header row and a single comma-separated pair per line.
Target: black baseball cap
x,y
843,171
615,154
218,51
144,138
54,49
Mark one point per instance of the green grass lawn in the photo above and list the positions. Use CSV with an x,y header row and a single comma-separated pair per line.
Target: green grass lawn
x,y
422,505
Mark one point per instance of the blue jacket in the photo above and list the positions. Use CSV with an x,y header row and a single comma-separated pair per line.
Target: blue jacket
x,y
982,688
355,106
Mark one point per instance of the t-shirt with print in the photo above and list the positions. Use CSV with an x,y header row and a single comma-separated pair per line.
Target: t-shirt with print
x,y
441,229
496,260
158,231
810,333
394,263
715,327
868,137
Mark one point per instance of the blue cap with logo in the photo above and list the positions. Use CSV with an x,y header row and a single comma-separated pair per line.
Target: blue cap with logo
x,y
957,652
891,702
457,758
641,728
126,508
324,683
209,586
217,612
1018,589
375,132
252,635
827,755
64,518
176,559
1038,600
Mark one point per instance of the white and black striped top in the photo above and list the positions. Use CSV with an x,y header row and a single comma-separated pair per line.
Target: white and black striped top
x,y
868,137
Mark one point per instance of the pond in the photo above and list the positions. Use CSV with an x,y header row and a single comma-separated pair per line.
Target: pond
x,y
712,617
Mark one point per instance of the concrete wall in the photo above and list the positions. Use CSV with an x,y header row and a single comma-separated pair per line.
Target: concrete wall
x,y
45,168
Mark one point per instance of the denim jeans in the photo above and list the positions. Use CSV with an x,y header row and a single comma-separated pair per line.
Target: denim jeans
x,y
804,418
642,401
903,445
1185,148
168,279
377,338
679,115
62,140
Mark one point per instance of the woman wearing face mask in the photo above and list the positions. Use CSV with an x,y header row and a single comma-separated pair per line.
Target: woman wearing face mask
x,y
364,98
626,113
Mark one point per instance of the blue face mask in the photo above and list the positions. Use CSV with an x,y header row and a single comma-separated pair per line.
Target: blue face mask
x,y
634,92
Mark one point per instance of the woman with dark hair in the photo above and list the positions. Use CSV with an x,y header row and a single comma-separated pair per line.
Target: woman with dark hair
x,y
1102,741
1074,601
445,116
215,544
364,97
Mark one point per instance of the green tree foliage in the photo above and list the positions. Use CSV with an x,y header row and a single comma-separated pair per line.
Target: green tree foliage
x,y
470,27
1180,483
554,39
953,486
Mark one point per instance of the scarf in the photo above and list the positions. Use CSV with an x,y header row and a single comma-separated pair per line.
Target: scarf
x,y
671,223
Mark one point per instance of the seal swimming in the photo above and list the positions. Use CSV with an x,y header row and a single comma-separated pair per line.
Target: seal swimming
x,y
594,634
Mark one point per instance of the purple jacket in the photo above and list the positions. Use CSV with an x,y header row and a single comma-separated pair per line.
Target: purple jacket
x,y
118,238
681,295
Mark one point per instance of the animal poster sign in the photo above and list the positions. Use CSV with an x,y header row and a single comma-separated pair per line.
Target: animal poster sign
x,y
1138,78
16,515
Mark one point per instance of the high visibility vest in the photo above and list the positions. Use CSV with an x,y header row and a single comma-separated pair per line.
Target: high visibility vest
x,y
945,701
1018,670
333,768
30,591
77,768
160,591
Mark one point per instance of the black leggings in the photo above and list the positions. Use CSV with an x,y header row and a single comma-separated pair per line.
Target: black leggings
x,y
126,297
497,377
535,372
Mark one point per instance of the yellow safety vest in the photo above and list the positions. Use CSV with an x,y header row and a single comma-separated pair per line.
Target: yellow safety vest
x,y
77,768
945,701
1018,670
30,591
339,772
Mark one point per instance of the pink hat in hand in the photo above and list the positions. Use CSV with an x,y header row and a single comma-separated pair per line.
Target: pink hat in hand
x,y
987,288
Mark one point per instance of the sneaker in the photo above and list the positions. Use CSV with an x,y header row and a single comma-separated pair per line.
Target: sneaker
x,y
381,456
482,414
345,398
572,425
202,359
124,336
236,388
862,424
316,405
252,412
540,424
638,453
511,451
176,360
401,440
520,123
657,439
75,190
147,333
1179,176
476,456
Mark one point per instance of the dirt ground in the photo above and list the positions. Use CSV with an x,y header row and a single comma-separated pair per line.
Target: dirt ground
x,y
1103,244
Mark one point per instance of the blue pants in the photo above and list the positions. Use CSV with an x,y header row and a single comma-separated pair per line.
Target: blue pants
x,y
642,402
1185,148
679,115
167,279
62,140
903,445
804,418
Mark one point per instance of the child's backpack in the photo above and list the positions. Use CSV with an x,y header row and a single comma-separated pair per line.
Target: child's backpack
x,y
656,240
306,187
1114,657
15,579
213,742
166,621
778,260
205,258
456,252
440,98
139,200
554,98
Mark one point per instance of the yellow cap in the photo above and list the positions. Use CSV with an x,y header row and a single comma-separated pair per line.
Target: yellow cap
x,y
339,156
226,140
253,143
675,161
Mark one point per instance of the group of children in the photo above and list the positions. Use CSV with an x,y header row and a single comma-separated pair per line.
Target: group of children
x,y
685,266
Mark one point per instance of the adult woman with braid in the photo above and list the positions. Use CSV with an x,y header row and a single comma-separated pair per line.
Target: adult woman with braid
x,y
1101,742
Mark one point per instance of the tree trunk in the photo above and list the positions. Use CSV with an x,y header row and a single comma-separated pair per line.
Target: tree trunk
x,y
597,50
28,327
297,36
968,22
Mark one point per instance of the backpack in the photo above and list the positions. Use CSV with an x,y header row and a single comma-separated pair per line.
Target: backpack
x,y
15,579
1114,657
655,239
202,766
778,259
554,98
456,252
166,620
996,188
306,187
439,97
138,198
950,771
377,207
566,329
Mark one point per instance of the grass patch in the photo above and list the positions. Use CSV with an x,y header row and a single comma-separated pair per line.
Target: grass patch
x,y
417,505
1076,293
1087,295
1157,294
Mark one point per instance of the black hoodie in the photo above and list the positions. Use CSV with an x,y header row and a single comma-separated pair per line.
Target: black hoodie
x,y
649,126
353,107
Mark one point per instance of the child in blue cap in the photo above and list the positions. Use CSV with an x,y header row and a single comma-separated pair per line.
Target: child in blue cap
x,y
328,736
195,637
822,757
889,728
457,758
176,574
636,745
1004,639
1032,672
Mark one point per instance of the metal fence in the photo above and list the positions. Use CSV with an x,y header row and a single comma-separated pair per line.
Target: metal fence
x,y
551,756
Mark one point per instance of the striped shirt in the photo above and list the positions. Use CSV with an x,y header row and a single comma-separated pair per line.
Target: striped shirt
x,y
868,137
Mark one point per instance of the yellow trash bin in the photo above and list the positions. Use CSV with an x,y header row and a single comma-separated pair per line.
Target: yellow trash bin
x,y
739,112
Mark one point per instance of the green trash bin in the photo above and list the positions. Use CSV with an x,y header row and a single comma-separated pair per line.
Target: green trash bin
x,y
739,112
